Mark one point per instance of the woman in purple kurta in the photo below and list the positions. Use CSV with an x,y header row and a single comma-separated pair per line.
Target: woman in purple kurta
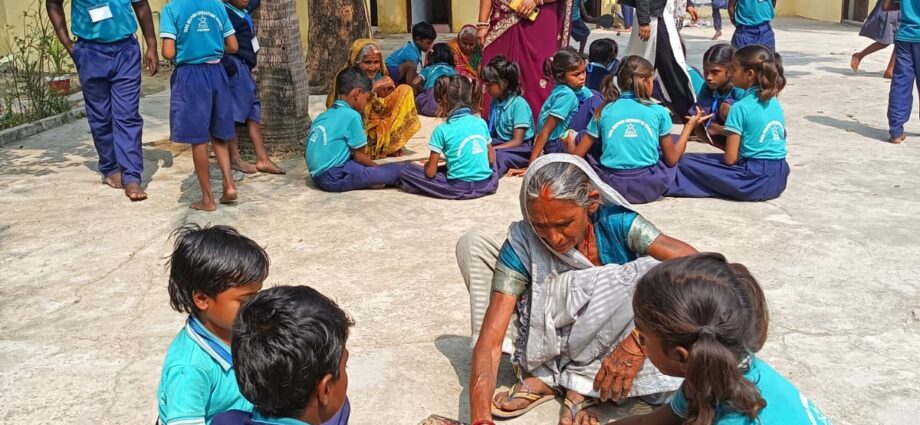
x,y
528,43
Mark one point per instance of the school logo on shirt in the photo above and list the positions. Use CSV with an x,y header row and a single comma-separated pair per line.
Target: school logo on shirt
x,y
202,17
479,144
632,131
316,133
775,131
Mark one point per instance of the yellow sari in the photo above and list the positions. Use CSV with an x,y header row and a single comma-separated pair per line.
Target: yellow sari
x,y
389,122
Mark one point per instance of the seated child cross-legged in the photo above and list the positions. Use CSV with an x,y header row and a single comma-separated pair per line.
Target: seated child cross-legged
x,y
463,140
719,94
754,166
440,63
335,145
637,153
602,61
212,271
510,117
704,319
290,356
404,63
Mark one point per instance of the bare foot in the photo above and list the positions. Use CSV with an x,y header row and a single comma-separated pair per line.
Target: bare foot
x,y
579,410
269,167
898,140
134,192
243,166
717,36
854,62
228,197
203,205
113,180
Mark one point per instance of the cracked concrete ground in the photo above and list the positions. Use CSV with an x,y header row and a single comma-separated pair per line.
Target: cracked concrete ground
x,y
84,317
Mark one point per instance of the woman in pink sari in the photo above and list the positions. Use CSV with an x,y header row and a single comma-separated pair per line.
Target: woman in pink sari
x,y
503,31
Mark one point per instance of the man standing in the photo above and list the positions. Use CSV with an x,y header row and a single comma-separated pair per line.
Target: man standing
x,y
658,41
107,57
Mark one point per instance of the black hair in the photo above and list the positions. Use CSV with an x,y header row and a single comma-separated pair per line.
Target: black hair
x,y
351,78
719,54
210,260
767,66
630,74
455,92
501,69
441,53
717,312
285,340
603,51
565,60
423,30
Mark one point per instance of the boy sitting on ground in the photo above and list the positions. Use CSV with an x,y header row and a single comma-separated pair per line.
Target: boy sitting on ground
x,y
403,65
290,355
212,271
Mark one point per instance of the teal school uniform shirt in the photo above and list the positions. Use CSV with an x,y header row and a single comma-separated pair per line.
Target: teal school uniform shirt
x,y
199,28
463,140
785,404
431,73
332,137
103,21
198,380
761,125
630,132
576,11
909,30
753,12
562,103
509,115
408,53
696,79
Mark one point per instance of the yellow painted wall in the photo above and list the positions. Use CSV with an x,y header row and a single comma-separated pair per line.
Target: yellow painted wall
x,y
391,16
463,12
822,10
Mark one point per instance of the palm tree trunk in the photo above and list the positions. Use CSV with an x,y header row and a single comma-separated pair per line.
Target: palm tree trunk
x,y
282,80
334,25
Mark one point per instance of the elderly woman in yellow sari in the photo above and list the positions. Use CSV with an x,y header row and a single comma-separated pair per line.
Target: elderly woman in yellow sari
x,y
467,52
390,118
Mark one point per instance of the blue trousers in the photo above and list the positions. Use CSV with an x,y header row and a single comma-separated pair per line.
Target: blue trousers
x,y
110,74
757,34
716,17
901,96
628,15
705,176
354,176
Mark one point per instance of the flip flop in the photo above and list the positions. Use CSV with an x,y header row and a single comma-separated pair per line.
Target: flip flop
x,y
585,404
514,393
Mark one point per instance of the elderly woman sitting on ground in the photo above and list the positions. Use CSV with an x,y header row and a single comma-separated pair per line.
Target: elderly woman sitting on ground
x,y
467,52
565,275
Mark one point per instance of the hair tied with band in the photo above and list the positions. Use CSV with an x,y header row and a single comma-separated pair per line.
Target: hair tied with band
x,y
706,330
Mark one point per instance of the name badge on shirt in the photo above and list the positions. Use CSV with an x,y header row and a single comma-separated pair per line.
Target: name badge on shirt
x,y
255,44
100,13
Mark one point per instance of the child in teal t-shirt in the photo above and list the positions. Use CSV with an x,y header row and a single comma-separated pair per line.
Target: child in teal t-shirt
x,y
703,319
636,152
335,146
718,95
510,118
753,167
464,143
440,64
906,68
212,271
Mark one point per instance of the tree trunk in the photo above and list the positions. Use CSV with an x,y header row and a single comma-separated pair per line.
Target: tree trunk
x,y
334,25
282,80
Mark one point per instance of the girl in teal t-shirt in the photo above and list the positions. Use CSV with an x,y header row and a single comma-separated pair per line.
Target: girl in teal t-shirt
x,y
702,319
464,143
636,151
440,63
753,167
510,117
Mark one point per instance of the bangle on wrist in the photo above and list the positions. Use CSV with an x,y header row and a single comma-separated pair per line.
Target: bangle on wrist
x,y
482,25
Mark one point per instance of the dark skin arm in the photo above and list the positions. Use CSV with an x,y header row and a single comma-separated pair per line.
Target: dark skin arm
x,y
585,16
169,49
145,19
55,9
491,155
731,10
543,137
672,151
517,139
732,147
431,167
231,46
361,157
487,354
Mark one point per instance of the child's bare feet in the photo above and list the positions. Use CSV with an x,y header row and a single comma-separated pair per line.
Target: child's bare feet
x,y
270,167
229,196
854,62
204,205
242,166
898,140
134,192
717,36
113,180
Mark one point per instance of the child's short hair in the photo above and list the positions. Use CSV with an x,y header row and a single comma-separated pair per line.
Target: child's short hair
x,y
719,54
285,340
423,30
717,312
456,92
565,60
502,69
209,260
349,79
441,53
767,66
603,51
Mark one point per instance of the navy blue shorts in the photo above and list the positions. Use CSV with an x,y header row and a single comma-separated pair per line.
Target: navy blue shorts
x,y
246,105
200,105
580,31
758,34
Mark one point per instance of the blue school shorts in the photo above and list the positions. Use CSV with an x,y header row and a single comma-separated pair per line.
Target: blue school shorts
x,y
246,105
200,104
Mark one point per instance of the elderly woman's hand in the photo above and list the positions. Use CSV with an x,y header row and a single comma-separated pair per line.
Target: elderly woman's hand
x,y
384,86
618,370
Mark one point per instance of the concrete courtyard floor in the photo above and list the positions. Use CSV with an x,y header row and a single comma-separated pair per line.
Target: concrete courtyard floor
x,y
85,320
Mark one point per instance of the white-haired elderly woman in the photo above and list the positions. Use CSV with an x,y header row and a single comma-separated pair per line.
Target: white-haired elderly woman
x,y
563,280
467,52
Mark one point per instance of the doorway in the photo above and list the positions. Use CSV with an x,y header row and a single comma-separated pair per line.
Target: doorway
x,y
435,12
855,10
373,13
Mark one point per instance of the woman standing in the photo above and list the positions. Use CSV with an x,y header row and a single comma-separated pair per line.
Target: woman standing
x,y
390,118
880,26
503,31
